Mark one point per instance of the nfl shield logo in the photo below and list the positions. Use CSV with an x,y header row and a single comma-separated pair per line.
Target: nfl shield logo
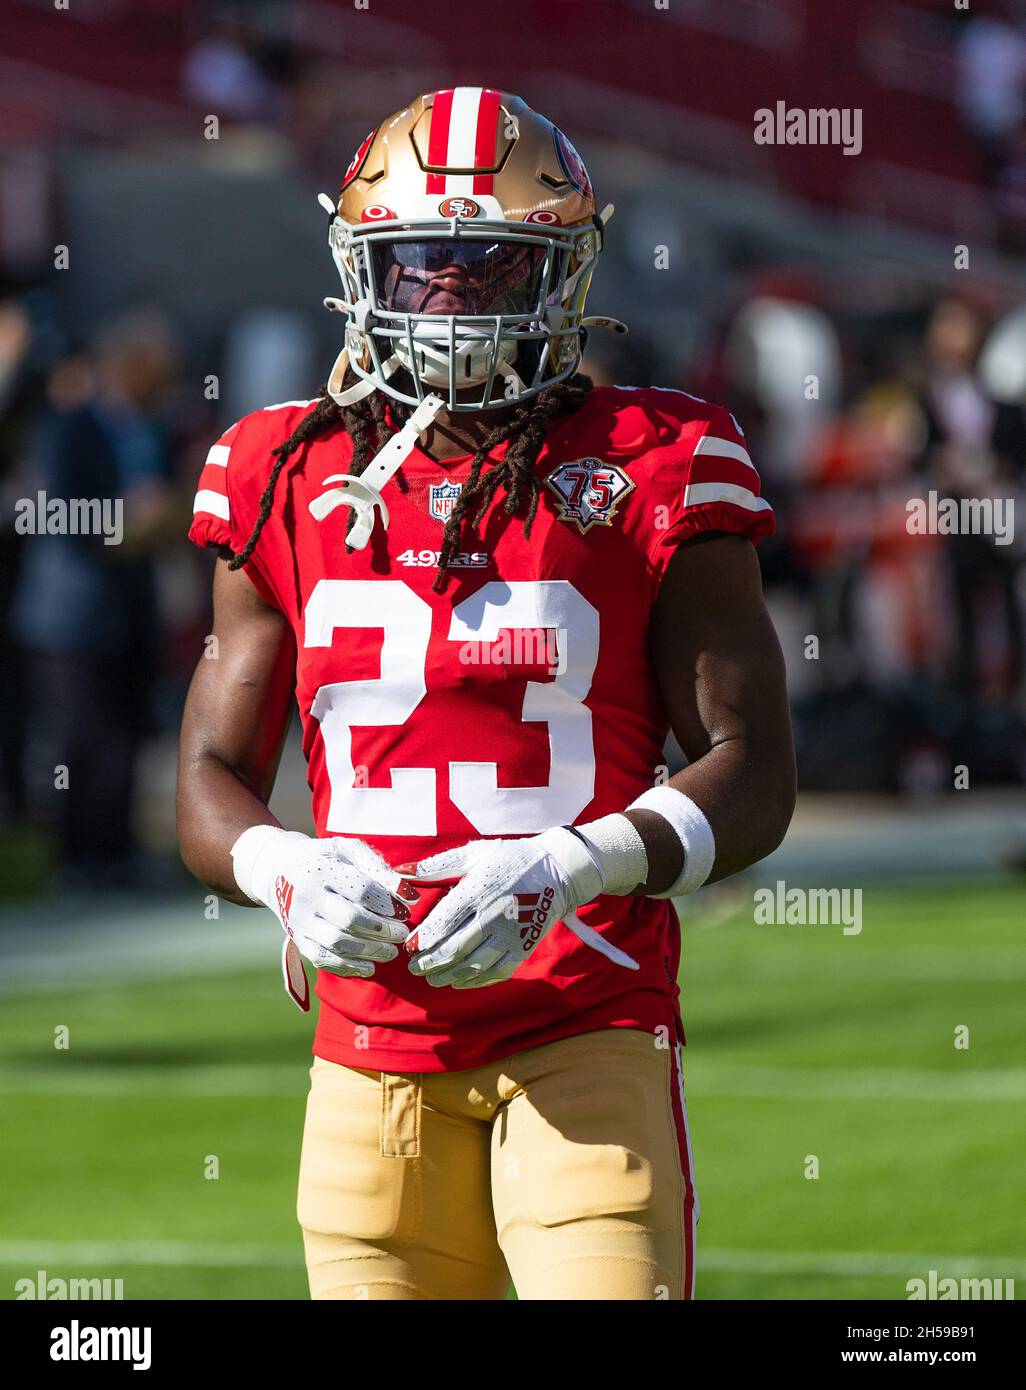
x,y
442,499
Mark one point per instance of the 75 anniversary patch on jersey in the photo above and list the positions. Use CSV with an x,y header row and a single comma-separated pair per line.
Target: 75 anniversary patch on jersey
x,y
589,491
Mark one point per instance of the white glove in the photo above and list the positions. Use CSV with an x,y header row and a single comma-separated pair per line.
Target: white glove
x,y
335,899
510,893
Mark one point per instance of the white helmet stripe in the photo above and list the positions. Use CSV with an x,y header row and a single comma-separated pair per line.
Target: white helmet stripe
x,y
466,103
463,127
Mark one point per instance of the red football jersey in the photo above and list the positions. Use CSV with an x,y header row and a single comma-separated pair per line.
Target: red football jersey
x,y
521,698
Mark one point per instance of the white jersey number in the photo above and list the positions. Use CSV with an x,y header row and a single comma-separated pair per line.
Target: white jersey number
x,y
409,805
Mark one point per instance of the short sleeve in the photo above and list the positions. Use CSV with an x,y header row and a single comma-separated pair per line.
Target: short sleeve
x,y
717,487
212,520
226,505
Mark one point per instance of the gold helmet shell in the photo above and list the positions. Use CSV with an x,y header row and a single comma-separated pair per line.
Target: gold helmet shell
x,y
474,144
465,168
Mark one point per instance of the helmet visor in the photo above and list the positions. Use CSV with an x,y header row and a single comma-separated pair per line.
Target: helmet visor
x,y
441,275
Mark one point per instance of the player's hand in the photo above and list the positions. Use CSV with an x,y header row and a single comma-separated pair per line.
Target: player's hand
x,y
336,899
509,895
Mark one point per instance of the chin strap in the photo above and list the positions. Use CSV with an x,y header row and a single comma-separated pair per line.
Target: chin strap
x,y
363,493
362,387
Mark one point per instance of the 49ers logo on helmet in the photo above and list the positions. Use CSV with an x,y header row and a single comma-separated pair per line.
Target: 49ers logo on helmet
x,y
459,207
545,217
377,212
358,158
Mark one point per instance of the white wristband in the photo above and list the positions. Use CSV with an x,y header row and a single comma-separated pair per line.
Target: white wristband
x,y
692,829
252,862
618,850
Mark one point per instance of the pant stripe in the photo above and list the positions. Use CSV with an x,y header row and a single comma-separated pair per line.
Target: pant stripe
x,y
687,1168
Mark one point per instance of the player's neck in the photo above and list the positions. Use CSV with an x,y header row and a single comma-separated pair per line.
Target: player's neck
x,y
463,432
455,433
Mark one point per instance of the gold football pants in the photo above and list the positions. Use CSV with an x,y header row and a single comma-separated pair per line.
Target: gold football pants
x,y
565,1168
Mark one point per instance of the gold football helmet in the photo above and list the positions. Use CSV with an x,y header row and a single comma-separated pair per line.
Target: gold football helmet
x,y
466,235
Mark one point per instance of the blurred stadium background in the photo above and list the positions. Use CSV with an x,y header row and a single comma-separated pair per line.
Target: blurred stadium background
x,y
191,294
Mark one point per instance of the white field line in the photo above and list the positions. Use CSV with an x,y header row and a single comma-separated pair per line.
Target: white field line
x,y
867,960
229,1255
153,944
859,1262
111,1253
840,1084
63,1077
1001,965
213,1080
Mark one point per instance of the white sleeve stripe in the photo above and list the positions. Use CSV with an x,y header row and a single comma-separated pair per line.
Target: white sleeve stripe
x,y
217,454
724,492
723,449
213,503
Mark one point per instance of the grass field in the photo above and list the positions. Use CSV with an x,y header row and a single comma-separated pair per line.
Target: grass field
x,y
801,1042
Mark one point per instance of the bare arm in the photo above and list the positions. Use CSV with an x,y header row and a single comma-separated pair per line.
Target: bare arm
x,y
721,674
236,717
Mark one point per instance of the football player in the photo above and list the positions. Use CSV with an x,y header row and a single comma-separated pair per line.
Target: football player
x,y
491,590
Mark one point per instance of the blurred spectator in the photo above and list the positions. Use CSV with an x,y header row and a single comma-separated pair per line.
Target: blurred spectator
x,y
959,414
959,460
1011,193
992,86
871,579
785,354
231,71
85,612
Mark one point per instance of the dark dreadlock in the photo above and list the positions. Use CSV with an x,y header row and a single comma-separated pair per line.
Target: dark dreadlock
x,y
368,427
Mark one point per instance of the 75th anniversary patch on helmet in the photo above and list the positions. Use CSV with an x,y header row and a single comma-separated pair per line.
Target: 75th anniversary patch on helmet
x,y
589,491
